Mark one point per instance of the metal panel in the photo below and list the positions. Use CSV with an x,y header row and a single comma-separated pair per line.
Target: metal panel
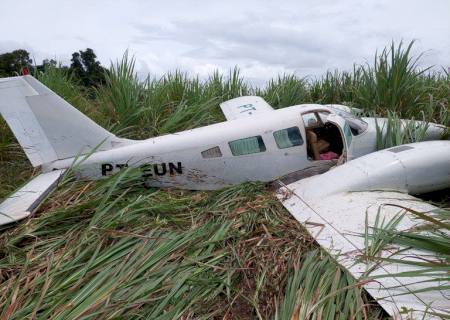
x,y
334,223
47,127
15,109
68,130
26,200
244,106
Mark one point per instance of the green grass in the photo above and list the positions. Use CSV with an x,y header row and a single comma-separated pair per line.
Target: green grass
x,y
429,241
112,249
108,249
396,131
318,288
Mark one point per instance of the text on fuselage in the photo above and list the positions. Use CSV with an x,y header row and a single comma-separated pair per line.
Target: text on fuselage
x,y
148,170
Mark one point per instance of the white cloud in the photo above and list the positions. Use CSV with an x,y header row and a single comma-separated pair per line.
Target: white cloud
x,y
263,38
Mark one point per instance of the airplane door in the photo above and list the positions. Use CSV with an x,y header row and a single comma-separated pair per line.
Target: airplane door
x,y
346,134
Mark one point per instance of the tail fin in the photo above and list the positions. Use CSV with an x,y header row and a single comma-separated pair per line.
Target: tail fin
x,y
46,126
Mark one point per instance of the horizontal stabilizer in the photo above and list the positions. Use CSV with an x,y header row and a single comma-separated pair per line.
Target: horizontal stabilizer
x,y
27,199
244,106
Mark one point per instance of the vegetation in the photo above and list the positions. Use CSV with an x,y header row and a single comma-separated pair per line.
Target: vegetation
x,y
396,131
14,62
111,249
84,67
425,248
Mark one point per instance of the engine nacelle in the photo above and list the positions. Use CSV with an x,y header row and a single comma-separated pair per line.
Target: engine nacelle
x,y
413,168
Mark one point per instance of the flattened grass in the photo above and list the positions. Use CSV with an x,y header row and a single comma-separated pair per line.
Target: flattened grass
x,y
110,250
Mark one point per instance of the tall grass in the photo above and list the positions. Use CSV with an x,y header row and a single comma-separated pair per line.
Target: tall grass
x,y
319,289
428,246
395,131
337,87
121,97
285,91
391,83
111,249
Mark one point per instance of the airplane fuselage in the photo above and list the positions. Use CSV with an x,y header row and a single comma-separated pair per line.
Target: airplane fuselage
x,y
203,158
183,160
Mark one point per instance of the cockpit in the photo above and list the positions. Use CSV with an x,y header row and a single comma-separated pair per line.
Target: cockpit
x,y
324,138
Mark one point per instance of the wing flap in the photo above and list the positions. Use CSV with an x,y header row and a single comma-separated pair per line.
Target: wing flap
x,y
244,106
27,199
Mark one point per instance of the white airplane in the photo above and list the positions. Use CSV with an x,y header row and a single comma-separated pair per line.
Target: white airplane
x,y
256,143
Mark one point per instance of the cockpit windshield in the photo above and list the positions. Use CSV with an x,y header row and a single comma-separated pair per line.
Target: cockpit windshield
x,y
356,124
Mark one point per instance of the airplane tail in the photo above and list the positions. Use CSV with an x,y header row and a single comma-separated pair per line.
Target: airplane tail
x,y
47,127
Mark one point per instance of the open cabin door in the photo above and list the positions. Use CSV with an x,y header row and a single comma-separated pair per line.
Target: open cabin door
x,y
346,135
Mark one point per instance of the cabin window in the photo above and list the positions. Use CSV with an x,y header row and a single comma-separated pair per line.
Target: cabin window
x,y
247,146
310,120
288,138
212,153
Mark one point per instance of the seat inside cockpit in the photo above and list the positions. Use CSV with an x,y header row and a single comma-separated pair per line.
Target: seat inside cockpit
x,y
324,139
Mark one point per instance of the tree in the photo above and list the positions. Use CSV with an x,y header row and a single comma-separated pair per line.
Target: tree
x,y
86,68
46,63
12,63
49,63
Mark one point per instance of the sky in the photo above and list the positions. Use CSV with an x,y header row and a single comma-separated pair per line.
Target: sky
x,y
263,38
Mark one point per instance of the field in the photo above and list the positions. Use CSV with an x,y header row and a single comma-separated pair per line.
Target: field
x,y
112,249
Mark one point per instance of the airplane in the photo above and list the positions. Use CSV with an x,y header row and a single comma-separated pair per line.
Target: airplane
x,y
323,157
256,143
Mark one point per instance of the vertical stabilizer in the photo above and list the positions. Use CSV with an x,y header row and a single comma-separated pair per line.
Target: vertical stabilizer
x,y
46,126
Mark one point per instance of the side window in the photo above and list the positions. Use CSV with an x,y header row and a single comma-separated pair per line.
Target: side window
x,y
212,153
310,120
288,138
348,134
247,146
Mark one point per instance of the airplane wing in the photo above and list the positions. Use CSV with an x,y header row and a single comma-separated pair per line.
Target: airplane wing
x,y
26,200
337,222
244,106
338,206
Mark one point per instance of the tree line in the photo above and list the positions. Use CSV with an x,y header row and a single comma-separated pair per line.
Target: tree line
x,y
84,67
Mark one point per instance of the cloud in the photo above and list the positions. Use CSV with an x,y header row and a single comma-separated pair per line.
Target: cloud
x,y
263,38
238,42
308,41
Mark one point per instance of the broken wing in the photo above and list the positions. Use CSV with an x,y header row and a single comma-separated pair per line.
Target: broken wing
x,y
339,222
